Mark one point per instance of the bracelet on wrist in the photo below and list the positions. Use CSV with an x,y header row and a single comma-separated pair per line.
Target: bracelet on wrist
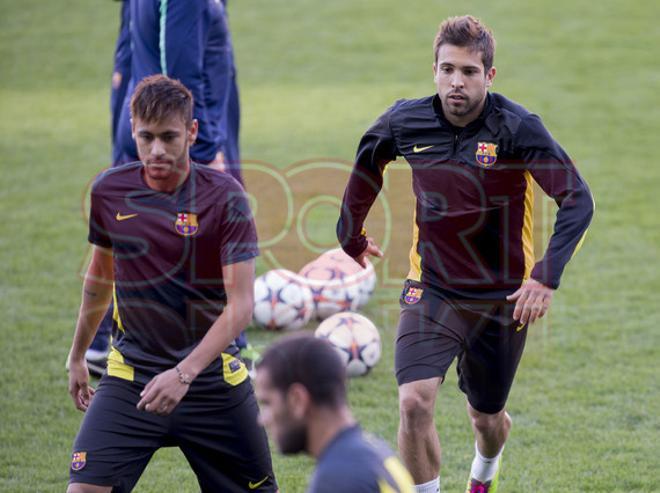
x,y
184,378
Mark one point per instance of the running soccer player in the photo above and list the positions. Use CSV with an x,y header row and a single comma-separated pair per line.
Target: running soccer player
x,y
301,389
473,285
178,241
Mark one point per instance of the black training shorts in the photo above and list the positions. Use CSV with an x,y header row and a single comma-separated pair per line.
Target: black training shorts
x,y
434,329
215,428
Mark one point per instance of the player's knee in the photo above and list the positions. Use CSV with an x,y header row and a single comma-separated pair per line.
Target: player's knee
x,y
416,410
487,423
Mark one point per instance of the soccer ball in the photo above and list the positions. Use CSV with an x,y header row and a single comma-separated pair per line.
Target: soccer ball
x,y
354,273
282,300
356,339
330,291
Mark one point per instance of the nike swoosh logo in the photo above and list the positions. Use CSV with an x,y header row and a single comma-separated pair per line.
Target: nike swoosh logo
x,y
254,486
421,149
119,217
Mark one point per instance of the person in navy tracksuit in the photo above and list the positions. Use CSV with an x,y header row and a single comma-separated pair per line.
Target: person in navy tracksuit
x,y
233,118
188,41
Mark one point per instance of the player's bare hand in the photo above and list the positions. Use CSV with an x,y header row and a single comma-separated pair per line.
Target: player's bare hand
x,y
218,163
371,250
79,389
532,301
163,393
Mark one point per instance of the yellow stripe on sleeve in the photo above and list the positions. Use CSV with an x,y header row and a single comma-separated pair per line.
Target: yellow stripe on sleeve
x,y
584,235
400,475
528,226
383,487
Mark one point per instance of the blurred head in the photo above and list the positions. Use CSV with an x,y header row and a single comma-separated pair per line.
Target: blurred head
x,y
163,129
463,70
296,376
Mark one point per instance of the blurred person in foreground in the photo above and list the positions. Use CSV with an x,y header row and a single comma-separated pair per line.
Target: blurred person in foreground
x,y
301,390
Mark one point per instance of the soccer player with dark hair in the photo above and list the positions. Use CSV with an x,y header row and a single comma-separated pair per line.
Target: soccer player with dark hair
x,y
174,245
474,284
301,389
188,40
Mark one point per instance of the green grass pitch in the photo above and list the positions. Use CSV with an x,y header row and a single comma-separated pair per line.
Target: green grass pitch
x,y
313,75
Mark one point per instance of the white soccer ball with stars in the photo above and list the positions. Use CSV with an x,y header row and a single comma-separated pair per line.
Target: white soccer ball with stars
x,y
353,273
282,301
330,289
356,339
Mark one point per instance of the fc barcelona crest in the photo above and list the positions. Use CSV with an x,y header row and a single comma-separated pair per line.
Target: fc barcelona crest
x,y
486,153
78,460
413,295
186,223
234,365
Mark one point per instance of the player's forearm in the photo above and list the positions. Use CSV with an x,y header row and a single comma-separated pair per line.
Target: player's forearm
x,y
375,150
361,192
554,171
233,320
573,219
96,298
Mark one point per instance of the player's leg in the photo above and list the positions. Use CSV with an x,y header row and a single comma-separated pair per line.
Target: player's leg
x,y
490,430
125,150
233,116
115,441
217,430
233,124
419,444
428,339
118,90
486,372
